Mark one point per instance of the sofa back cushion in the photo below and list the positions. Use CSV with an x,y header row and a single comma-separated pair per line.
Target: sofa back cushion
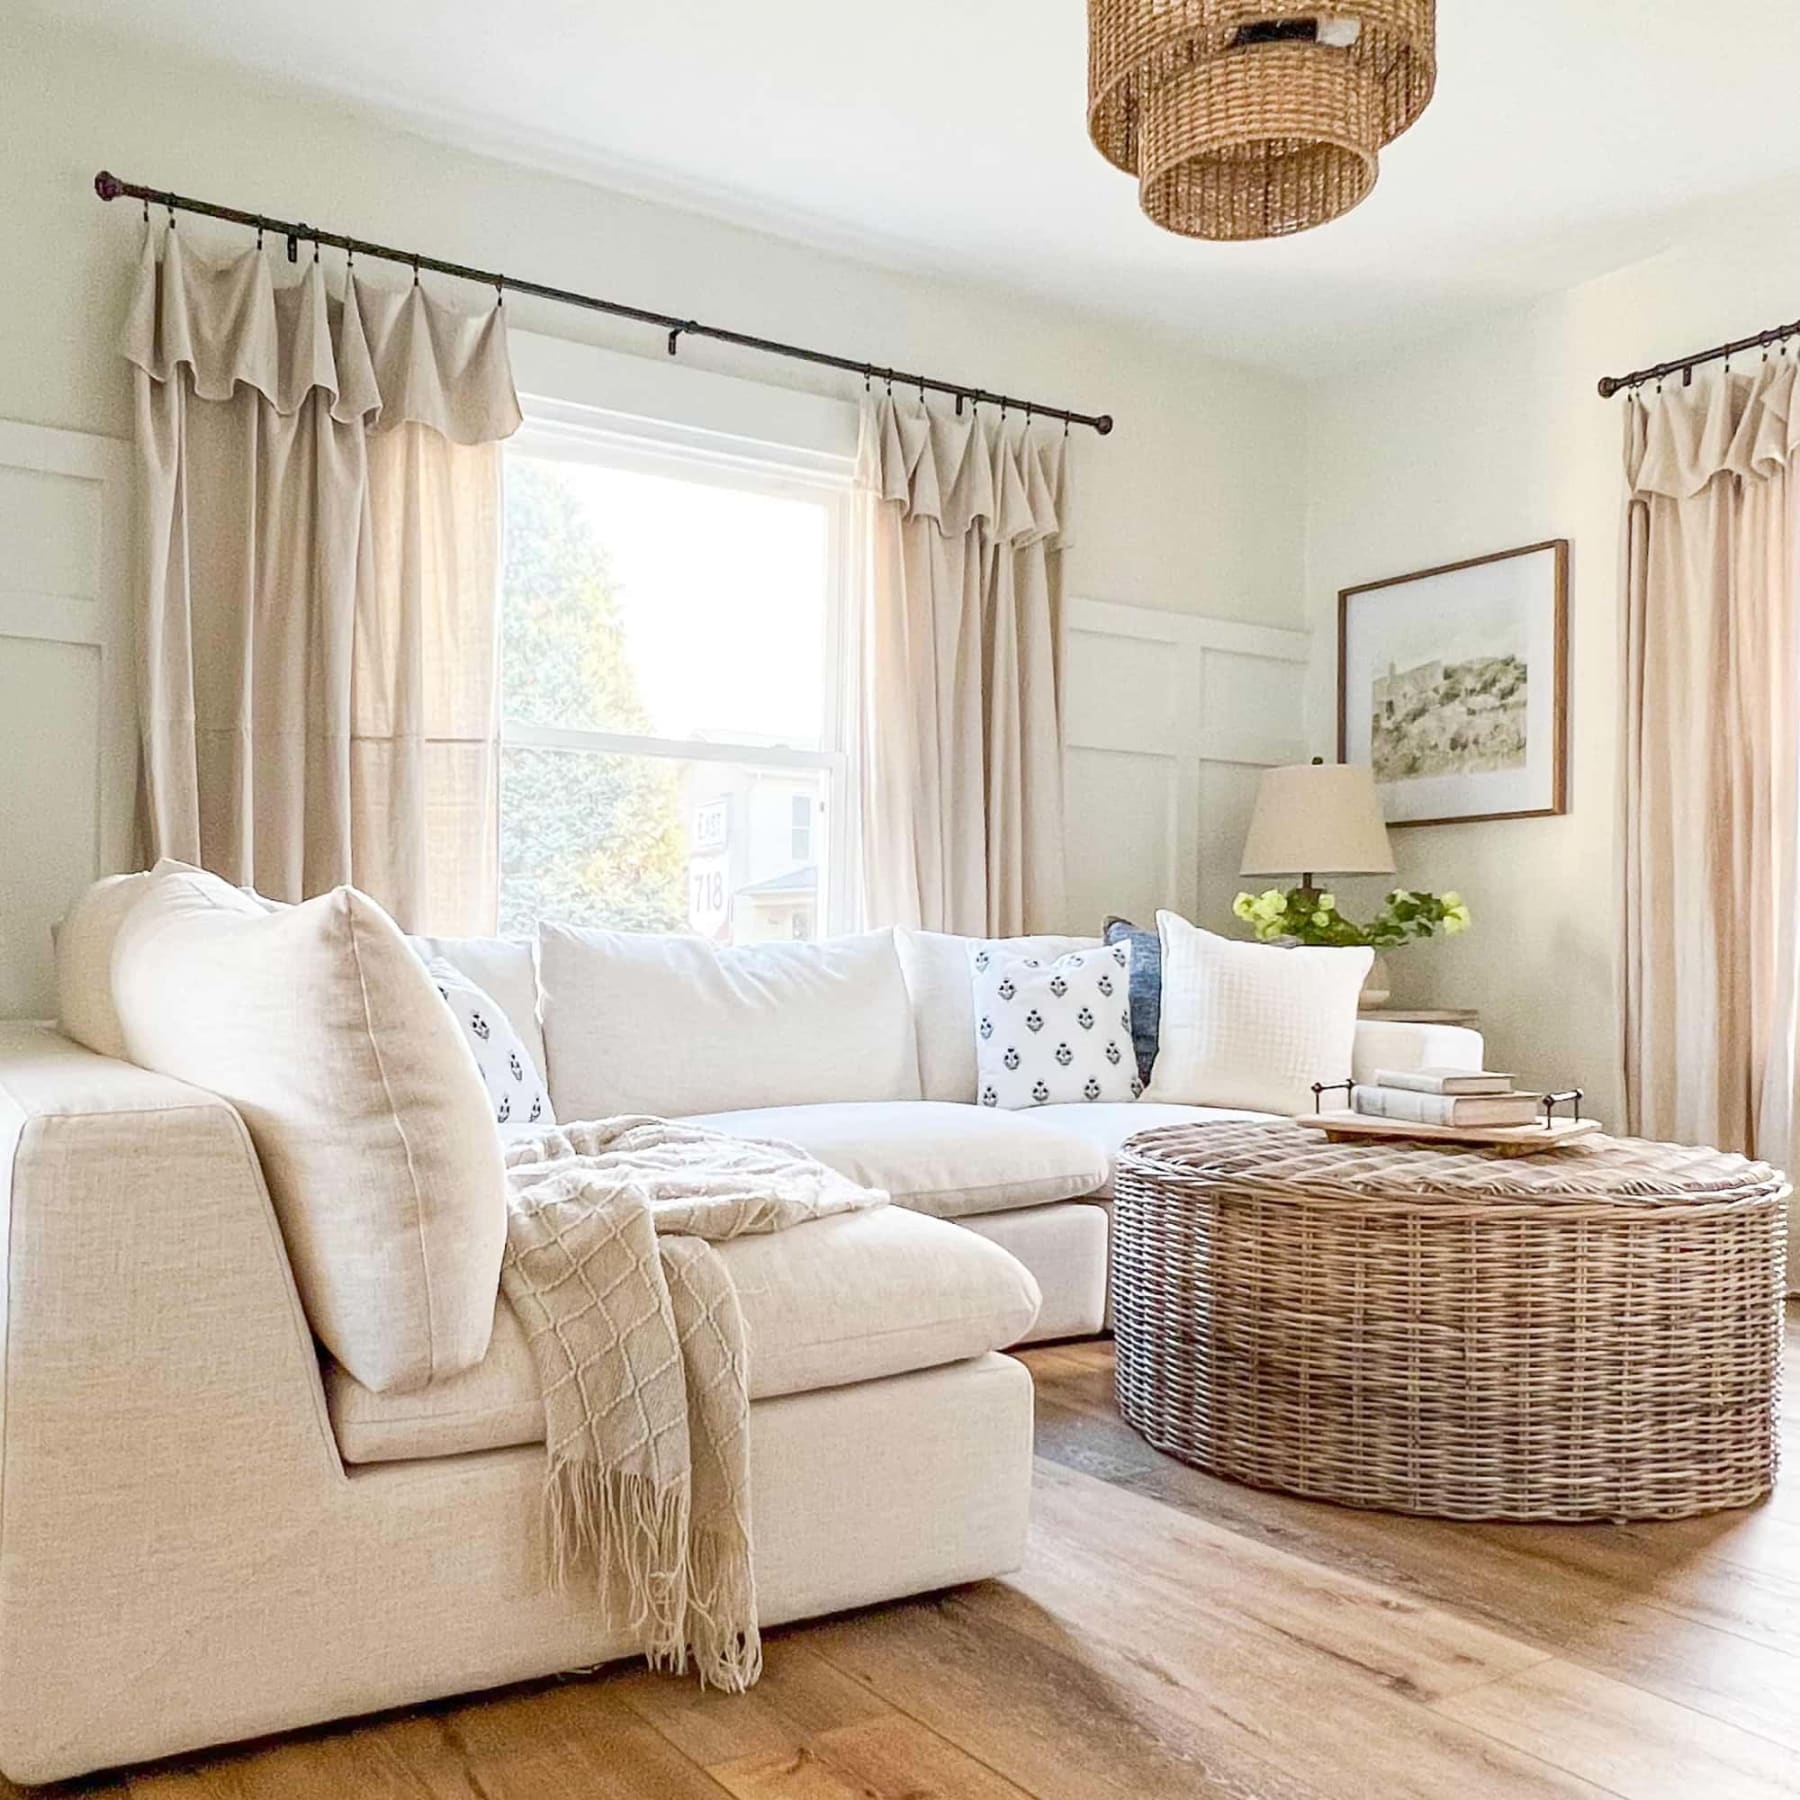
x,y
677,1025
939,984
320,1024
84,949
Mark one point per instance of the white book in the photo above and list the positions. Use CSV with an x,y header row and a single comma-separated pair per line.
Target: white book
x,y
1445,1109
1445,1081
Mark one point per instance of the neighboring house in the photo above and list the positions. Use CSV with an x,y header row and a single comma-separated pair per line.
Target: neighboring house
x,y
753,869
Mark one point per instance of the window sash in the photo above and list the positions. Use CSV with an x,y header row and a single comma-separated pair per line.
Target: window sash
x,y
564,431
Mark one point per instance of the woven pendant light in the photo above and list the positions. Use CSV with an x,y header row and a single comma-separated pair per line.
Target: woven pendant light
x,y
1255,118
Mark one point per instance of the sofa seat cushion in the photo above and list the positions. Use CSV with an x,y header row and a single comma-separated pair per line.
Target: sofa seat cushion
x,y
851,1298
932,1156
1104,1127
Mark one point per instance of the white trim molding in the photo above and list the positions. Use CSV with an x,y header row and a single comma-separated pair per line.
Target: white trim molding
x,y
68,722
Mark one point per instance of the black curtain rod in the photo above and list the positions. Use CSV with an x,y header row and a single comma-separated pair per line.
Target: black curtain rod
x,y
1685,365
109,187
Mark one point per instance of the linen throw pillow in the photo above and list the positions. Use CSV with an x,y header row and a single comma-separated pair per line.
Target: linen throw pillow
x,y
1049,1032
515,1087
320,1025
1146,988
84,951
1252,1026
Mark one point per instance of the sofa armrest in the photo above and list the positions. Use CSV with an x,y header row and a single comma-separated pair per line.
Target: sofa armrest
x,y
162,1419
1398,1044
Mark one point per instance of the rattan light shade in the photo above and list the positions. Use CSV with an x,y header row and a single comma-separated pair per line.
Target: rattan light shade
x,y
1255,118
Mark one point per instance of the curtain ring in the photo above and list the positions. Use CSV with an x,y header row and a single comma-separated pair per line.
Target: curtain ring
x,y
868,379
890,384
259,237
317,242
415,263
146,209
1065,427
499,293
169,202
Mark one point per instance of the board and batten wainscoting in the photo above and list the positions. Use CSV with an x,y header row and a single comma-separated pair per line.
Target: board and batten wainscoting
x,y
68,737
1168,718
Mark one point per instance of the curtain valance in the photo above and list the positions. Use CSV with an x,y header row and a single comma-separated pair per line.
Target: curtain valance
x,y
961,472
1744,425
380,357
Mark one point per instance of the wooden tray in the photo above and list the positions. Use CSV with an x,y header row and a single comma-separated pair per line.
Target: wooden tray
x,y
1513,1140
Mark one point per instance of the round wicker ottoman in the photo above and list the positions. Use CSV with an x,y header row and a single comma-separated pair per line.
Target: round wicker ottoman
x,y
1592,1333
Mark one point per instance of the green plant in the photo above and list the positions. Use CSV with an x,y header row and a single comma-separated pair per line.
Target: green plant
x,y
1306,916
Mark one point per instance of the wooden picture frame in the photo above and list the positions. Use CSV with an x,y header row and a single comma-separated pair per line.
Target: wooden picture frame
x,y
1498,618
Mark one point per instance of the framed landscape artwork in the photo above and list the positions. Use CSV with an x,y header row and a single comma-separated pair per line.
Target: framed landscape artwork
x,y
1453,687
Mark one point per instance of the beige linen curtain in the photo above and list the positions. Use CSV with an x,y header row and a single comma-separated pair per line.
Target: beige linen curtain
x,y
962,745
317,615
1711,826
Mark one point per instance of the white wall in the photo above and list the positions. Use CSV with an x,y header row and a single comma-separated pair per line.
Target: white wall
x,y
1189,506
1480,442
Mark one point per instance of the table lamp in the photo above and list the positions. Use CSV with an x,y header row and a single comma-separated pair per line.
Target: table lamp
x,y
1317,818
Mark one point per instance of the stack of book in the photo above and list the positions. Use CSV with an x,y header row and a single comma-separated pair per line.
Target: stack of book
x,y
1457,1098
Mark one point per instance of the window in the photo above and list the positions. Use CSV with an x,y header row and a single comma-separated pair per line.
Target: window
x,y
674,666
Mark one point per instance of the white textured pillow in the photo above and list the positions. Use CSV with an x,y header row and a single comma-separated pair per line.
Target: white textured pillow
x,y
84,951
936,965
1052,1033
368,1114
1252,1026
676,1025
515,1089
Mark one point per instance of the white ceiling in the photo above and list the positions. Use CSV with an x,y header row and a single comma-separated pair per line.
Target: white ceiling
x,y
1567,138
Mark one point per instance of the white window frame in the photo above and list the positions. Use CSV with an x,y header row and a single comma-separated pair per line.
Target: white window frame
x,y
569,431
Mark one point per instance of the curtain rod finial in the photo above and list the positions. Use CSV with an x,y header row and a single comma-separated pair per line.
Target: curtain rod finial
x,y
107,185
1104,424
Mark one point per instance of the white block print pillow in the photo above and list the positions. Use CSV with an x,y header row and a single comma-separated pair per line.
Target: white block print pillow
x,y
1051,1032
514,1085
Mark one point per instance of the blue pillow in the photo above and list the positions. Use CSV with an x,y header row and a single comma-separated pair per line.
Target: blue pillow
x,y
1146,988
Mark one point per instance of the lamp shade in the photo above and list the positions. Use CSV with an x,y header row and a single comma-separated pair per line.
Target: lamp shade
x,y
1317,819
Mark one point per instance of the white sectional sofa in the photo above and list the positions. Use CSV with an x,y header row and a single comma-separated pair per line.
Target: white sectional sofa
x,y
209,1531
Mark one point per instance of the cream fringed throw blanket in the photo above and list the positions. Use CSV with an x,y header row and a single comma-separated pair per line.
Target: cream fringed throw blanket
x,y
640,1350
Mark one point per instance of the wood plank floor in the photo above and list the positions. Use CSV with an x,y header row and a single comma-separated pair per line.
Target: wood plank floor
x,y
1170,1635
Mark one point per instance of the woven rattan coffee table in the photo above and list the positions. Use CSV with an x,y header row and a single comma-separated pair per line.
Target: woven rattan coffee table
x,y
1594,1333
